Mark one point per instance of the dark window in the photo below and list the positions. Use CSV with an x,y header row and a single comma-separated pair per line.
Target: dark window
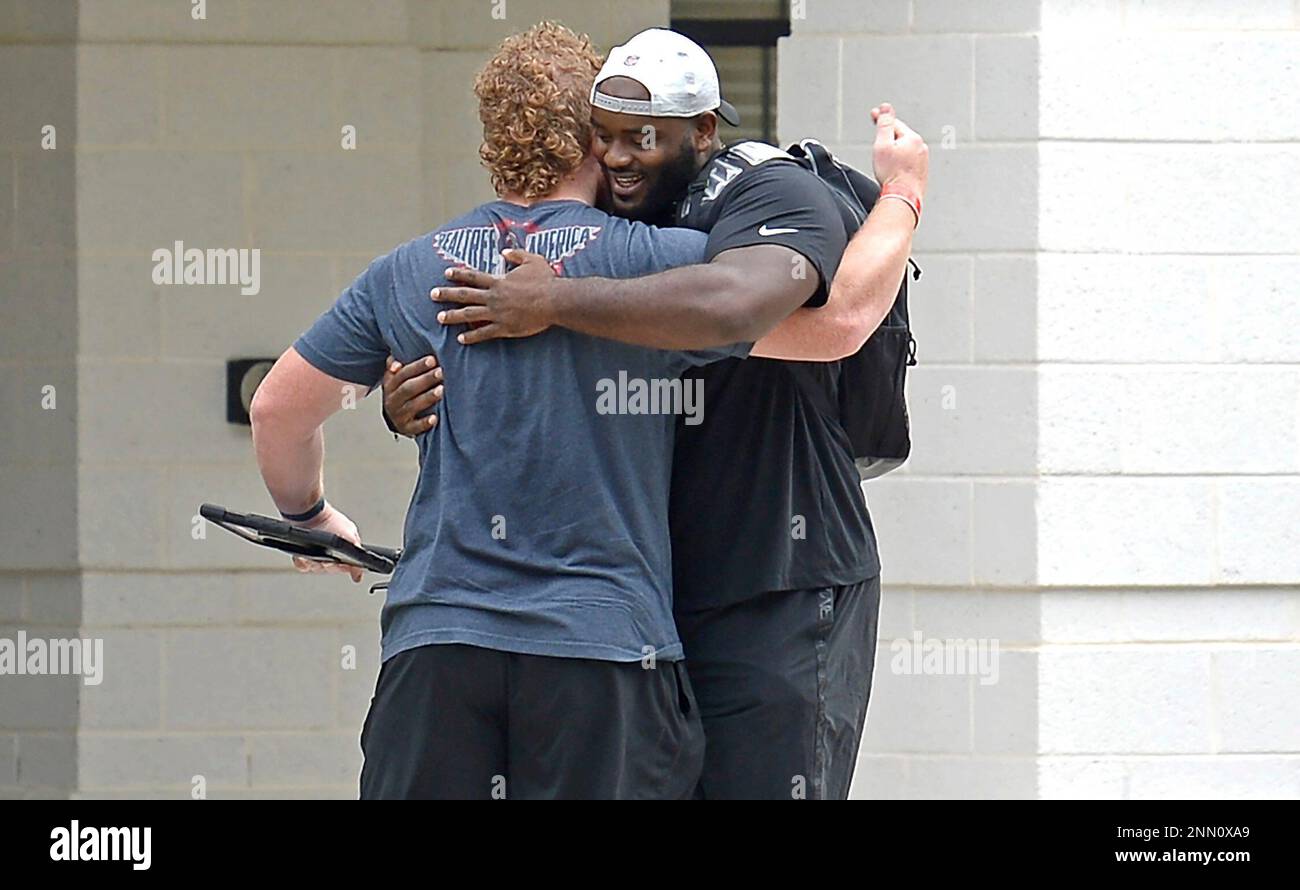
x,y
741,36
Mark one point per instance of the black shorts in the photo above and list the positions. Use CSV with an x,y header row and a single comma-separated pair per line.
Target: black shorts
x,y
463,722
783,680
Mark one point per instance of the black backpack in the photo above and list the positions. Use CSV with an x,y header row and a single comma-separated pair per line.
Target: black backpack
x,y
872,401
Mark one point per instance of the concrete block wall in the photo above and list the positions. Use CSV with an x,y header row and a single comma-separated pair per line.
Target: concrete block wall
x,y
957,525
220,133
1106,413
39,472
1169,508
1104,480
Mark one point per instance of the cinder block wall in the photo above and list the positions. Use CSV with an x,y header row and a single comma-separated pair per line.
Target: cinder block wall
x,y
220,133
39,471
1105,415
956,525
1169,374
1105,475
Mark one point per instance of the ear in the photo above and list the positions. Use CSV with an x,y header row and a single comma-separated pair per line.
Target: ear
x,y
586,172
706,130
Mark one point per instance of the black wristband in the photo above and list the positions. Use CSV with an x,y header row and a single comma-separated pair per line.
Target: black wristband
x,y
304,517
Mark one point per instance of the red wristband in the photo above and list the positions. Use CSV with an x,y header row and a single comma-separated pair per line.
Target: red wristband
x,y
912,198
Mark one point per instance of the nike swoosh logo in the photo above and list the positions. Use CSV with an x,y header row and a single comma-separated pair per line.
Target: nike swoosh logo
x,y
765,231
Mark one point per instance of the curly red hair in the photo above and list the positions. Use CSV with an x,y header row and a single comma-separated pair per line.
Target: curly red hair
x,y
534,99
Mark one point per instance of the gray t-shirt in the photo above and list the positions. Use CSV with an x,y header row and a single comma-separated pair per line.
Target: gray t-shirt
x,y
539,523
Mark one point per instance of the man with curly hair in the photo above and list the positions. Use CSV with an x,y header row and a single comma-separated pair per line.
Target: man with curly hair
x,y
528,644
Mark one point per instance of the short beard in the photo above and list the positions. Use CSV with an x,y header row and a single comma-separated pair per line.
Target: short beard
x,y
669,187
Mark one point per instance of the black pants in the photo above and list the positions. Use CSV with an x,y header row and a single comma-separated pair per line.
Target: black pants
x,y
783,681
454,721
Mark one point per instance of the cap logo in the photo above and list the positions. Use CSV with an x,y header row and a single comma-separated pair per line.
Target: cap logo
x,y
631,60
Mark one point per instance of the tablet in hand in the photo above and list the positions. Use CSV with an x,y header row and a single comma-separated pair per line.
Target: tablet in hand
x,y
286,537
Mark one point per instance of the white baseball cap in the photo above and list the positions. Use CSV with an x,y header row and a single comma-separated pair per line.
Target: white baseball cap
x,y
679,75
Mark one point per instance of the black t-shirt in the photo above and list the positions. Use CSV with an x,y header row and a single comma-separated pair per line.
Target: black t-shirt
x,y
765,493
